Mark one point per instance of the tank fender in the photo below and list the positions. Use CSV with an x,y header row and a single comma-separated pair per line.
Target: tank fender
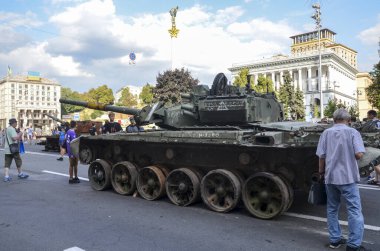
x,y
268,138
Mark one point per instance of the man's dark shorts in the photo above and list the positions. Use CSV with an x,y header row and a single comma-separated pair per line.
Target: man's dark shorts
x,y
10,157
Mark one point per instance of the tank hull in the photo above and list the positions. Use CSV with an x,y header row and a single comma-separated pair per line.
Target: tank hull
x,y
221,159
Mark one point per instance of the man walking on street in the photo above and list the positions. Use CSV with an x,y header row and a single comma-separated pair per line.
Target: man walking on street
x,y
11,138
339,148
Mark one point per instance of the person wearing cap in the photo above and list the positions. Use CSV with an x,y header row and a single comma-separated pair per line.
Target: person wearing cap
x,y
111,126
12,137
133,127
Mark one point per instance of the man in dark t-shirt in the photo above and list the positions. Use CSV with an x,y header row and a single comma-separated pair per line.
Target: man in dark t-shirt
x,y
111,126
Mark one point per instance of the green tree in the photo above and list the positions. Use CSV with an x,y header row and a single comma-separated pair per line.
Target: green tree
x,y
241,79
354,111
96,114
298,107
291,99
103,94
373,91
127,98
316,111
67,93
330,108
146,95
287,96
171,84
264,85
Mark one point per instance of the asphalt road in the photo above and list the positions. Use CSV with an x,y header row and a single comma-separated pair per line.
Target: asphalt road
x,y
44,212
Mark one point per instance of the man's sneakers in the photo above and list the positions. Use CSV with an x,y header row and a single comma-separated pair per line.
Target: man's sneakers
x,y
7,179
74,180
22,176
337,244
361,248
60,158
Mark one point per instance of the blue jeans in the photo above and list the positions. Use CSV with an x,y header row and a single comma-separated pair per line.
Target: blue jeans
x,y
350,193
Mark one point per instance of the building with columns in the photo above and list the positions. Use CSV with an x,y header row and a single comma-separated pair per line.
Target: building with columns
x,y
339,69
27,98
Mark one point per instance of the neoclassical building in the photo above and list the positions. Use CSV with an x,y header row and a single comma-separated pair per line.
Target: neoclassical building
x,y
27,98
339,69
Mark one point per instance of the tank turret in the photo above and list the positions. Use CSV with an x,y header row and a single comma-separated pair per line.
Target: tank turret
x,y
222,105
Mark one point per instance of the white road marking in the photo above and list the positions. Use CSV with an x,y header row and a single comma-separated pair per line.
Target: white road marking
x,y
369,187
74,249
63,174
43,154
321,219
302,216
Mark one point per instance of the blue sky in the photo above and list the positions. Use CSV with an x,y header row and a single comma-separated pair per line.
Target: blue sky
x,y
84,44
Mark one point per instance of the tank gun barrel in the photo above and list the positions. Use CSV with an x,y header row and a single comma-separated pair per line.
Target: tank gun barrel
x,y
101,107
54,118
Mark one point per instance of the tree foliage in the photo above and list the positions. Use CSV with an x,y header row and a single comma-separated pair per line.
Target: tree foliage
x,y
291,99
287,95
127,98
67,93
96,114
373,91
146,95
171,84
103,94
332,106
354,111
264,85
241,79
299,106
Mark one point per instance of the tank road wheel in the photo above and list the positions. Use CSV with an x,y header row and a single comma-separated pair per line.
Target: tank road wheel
x,y
290,191
86,154
183,186
220,190
123,177
265,195
99,175
151,183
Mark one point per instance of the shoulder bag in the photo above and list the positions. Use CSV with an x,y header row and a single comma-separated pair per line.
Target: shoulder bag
x,y
13,148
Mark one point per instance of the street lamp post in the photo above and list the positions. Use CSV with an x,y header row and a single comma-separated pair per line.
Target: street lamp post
x,y
317,18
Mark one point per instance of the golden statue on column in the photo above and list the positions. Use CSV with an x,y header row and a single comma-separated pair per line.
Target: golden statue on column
x,y
173,31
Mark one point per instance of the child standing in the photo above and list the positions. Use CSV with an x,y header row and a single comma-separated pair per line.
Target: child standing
x,y
62,143
73,161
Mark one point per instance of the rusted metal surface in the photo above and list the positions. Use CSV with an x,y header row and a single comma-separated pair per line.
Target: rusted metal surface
x,y
123,177
151,183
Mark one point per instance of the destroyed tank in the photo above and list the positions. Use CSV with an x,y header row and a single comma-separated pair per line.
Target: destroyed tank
x,y
220,145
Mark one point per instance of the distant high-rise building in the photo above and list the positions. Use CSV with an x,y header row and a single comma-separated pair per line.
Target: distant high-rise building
x,y
27,98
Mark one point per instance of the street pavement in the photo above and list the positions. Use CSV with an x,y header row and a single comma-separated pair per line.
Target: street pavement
x,y
44,212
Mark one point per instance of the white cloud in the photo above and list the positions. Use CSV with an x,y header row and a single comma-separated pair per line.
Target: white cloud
x,y
371,35
39,60
94,44
12,20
